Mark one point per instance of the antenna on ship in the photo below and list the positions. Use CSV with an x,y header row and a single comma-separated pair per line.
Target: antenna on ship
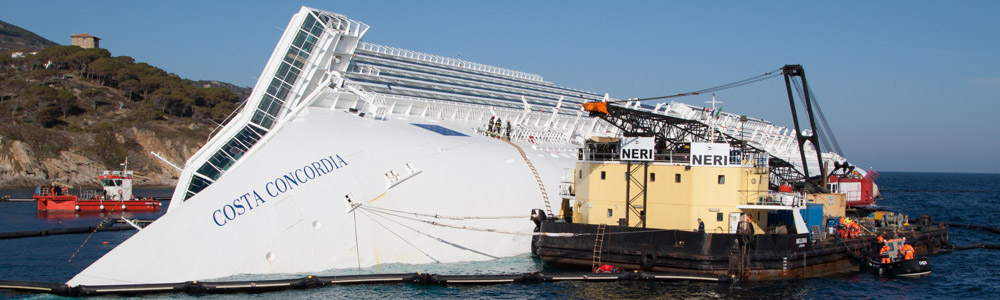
x,y
711,118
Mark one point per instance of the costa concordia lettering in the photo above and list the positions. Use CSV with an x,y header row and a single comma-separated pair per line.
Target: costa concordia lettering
x,y
260,197
281,184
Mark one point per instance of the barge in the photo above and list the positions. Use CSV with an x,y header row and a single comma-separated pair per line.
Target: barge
x,y
674,196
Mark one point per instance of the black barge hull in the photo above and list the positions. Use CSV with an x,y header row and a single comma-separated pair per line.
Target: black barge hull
x,y
749,257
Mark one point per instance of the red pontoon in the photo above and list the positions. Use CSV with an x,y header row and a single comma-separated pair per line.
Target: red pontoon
x,y
115,197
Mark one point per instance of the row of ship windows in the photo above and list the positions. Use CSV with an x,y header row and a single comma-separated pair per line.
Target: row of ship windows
x,y
271,103
652,177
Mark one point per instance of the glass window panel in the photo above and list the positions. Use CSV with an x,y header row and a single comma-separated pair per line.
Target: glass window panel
x,y
281,73
257,117
282,92
209,171
256,132
197,184
309,22
235,148
267,122
300,38
249,135
221,161
290,76
273,110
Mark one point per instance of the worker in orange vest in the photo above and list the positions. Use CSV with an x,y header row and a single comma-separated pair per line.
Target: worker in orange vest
x,y
884,253
842,228
907,251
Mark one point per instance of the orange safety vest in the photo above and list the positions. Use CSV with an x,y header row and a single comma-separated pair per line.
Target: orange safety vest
x,y
885,257
907,251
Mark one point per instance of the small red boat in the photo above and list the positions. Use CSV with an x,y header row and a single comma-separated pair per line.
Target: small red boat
x,y
115,197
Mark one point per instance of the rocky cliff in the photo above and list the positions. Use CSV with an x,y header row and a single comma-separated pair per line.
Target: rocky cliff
x,y
23,166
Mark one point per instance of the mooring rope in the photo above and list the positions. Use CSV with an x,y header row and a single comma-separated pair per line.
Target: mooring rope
x,y
491,230
459,218
548,234
87,239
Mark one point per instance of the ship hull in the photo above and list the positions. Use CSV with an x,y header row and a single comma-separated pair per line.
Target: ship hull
x,y
912,268
770,256
69,203
333,190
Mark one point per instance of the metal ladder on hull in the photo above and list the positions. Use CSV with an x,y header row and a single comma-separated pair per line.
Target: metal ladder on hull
x,y
598,246
538,179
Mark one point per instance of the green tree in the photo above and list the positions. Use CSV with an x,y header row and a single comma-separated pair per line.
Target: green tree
x,y
105,68
35,101
59,55
65,101
82,59
129,87
91,97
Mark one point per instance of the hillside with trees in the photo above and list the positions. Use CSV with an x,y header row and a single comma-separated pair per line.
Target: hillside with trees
x,y
17,38
68,112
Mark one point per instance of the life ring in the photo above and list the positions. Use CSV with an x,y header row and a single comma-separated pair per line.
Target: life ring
x,y
648,260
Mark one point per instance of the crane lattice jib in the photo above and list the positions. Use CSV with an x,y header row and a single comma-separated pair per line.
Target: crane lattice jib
x,y
673,133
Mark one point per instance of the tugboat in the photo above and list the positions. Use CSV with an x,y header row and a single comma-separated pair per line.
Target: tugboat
x,y
897,260
116,196
697,200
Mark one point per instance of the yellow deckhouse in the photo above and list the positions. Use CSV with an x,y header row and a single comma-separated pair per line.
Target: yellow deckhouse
x,y
711,182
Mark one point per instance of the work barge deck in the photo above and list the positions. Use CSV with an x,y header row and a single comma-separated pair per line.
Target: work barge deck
x,y
750,257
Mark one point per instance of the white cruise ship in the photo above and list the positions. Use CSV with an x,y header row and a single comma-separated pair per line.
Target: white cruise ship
x,y
350,154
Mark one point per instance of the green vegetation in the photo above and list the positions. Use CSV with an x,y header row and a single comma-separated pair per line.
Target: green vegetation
x,y
13,37
65,98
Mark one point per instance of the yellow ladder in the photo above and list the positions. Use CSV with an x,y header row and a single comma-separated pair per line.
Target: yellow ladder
x,y
598,246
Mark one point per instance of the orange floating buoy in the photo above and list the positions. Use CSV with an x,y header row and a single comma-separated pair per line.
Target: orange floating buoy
x,y
105,242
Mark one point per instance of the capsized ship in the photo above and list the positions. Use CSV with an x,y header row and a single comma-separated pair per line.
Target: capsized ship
x,y
350,154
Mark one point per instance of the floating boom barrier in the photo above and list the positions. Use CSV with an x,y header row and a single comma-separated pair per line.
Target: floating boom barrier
x,y
58,231
308,282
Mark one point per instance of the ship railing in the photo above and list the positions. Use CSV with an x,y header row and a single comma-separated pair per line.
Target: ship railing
x,y
539,135
776,199
566,190
43,191
481,112
91,194
852,195
393,51
376,102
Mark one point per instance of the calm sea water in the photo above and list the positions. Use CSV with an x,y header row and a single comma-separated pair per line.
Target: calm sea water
x,y
946,197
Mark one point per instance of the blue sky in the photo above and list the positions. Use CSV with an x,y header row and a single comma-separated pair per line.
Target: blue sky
x,y
905,85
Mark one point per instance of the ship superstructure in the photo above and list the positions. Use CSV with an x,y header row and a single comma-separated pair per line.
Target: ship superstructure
x,y
350,154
